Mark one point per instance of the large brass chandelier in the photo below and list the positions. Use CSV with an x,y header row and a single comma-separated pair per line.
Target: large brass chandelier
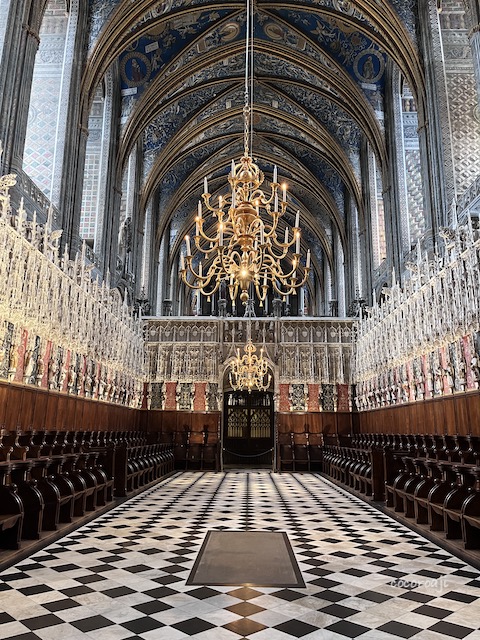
x,y
240,244
249,371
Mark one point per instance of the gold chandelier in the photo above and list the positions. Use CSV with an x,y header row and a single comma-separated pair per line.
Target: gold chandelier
x,y
249,371
243,250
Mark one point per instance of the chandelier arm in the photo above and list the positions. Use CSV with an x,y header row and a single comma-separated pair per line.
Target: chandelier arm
x,y
226,200
282,293
203,236
261,294
271,258
270,229
304,279
203,281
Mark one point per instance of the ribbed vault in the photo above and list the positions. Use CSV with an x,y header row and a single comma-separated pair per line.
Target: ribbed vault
x,y
319,103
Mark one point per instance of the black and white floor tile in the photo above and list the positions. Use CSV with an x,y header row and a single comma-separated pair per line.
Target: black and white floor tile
x,y
123,576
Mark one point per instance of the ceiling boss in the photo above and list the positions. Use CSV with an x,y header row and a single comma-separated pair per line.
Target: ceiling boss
x,y
240,240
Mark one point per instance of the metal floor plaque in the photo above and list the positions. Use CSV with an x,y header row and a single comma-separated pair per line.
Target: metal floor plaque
x,y
246,558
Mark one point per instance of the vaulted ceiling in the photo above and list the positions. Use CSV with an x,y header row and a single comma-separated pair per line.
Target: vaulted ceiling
x,y
320,69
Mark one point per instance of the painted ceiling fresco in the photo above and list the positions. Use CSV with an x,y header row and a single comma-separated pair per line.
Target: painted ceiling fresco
x,y
320,83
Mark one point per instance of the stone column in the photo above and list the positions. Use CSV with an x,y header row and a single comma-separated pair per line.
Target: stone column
x,y
365,231
16,72
139,219
70,189
327,291
473,17
113,194
107,128
5,6
353,256
434,124
339,273
161,294
396,212
70,79
144,259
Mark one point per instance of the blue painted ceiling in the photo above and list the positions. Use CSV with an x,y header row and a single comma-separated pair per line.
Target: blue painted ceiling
x,y
320,83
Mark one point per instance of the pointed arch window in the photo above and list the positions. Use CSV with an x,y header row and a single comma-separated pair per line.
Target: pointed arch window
x,y
91,178
412,167
48,112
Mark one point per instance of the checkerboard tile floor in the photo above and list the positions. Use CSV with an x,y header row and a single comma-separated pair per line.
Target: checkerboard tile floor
x,y
123,576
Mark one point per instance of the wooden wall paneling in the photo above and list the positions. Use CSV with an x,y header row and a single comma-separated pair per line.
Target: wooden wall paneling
x,y
110,417
426,417
78,424
344,423
378,421
27,410
71,407
451,425
89,416
102,419
286,420
183,421
438,416
279,423
40,411
356,423
406,421
473,410
390,420
461,414
153,421
142,420
51,413
308,419
329,423
381,421
372,421
14,408
364,422
318,422
120,416
202,420
299,422
419,419
61,423
92,414
3,403
169,421
133,417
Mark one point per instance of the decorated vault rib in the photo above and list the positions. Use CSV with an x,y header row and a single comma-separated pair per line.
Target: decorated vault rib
x,y
59,329
423,341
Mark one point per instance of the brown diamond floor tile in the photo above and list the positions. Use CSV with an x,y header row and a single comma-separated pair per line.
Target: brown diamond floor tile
x,y
244,626
245,593
245,609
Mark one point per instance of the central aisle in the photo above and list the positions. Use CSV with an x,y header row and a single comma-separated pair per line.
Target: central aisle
x,y
123,575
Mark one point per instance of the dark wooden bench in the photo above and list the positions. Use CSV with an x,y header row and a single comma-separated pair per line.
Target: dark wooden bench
x,y
11,510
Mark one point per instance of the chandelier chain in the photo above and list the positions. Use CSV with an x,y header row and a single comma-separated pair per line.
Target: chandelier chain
x,y
243,250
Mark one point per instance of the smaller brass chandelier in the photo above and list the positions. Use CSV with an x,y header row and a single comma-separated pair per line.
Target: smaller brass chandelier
x,y
242,248
249,372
